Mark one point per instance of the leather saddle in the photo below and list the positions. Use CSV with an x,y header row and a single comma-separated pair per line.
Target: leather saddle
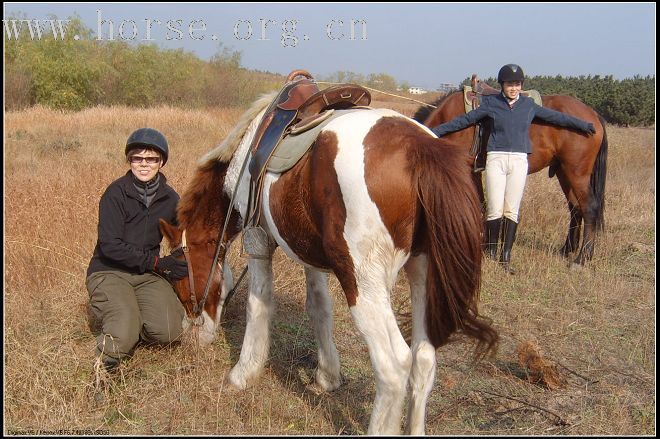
x,y
299,101
472,96
299,106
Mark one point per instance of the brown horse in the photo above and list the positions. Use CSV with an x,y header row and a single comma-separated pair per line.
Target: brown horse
x,y
578,161
377,192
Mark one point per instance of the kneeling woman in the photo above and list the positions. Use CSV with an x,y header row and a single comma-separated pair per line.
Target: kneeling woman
x,y
130,296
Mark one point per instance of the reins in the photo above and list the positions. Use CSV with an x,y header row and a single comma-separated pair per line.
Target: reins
x,y
220,244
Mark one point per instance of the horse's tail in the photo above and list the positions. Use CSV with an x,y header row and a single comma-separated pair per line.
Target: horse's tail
x,y
597,183
449,232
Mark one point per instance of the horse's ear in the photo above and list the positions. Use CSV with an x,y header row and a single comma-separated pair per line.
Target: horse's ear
x,y
170,232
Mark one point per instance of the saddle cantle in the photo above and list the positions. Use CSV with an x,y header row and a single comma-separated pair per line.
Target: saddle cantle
x,y
298,107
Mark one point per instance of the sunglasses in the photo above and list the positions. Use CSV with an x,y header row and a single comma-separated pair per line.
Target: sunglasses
x,y
138,159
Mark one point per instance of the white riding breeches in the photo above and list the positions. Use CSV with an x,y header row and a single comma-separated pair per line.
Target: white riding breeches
x,y
506,173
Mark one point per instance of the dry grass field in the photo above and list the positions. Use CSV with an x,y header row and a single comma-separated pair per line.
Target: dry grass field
x,y
592,329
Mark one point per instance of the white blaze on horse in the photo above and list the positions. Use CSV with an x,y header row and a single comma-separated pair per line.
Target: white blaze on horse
x,y
375,193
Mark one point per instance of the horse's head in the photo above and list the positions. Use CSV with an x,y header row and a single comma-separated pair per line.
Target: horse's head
x,y
199,250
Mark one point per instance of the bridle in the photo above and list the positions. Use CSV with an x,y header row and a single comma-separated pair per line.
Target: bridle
x,y
197,307
219,245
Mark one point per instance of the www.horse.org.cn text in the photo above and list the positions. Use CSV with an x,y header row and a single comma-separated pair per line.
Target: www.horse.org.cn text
x,y
288,32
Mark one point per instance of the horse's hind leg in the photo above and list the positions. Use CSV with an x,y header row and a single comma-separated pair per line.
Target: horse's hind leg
x,y
256,342
422,374
575,225
319,309
574,229
581,203
388,351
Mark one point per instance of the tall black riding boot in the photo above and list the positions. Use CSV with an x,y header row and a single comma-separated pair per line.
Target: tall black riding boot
x,y
509,236
492,237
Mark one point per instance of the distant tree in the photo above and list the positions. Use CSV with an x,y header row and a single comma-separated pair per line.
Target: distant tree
x,y
345,77
381,81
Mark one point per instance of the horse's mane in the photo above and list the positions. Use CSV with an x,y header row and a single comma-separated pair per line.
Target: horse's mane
x,y
225,151
425,111
203,199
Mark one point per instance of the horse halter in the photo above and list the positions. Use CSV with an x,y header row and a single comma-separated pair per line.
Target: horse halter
x,y
197,307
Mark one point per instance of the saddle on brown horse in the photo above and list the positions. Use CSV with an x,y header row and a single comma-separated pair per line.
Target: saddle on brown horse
x,y
482,130
296,107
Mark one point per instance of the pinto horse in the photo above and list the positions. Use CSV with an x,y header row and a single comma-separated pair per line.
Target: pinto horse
x,y
375,193
578,160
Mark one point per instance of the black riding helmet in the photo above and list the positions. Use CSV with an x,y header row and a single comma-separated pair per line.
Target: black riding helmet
x,y
511,72
149,138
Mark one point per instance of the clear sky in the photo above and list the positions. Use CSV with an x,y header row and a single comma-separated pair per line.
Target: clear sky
x,y
424,44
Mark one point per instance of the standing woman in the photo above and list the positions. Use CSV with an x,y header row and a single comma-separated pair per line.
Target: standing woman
x,y
506,158
130,296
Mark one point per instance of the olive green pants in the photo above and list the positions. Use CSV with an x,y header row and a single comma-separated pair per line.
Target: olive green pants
x,y
125,308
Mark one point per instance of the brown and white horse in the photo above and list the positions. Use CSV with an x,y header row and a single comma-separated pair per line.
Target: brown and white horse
x,y
377,192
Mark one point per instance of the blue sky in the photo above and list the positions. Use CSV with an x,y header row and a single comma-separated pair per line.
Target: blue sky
x,y
424,44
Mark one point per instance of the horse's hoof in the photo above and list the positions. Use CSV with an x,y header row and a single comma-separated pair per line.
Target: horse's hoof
x,y
576,266
206,339
327,383
237,381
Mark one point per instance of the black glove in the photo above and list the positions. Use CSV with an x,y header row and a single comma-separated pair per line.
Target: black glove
x,y
590,129
171,267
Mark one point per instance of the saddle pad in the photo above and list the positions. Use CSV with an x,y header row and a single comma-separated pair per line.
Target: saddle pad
x,y
294,146
467,97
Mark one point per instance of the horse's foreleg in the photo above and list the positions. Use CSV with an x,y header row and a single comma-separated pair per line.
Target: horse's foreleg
x,y
389,353
583,210
227,286
319,310
422,373
256,341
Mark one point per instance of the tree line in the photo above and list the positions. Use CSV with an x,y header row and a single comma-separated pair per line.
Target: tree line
x,y
73,74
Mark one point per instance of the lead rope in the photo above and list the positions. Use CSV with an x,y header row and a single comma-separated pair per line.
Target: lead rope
x,y
382,92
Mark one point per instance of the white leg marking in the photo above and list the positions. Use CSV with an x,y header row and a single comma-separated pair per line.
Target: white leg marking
x,y
422,374
260,307
390,357
319,309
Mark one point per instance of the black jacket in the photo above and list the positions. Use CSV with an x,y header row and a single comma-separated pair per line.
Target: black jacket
x,y
129,234
510,125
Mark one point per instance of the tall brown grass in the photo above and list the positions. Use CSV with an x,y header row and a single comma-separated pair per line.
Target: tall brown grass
x,y
595,324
